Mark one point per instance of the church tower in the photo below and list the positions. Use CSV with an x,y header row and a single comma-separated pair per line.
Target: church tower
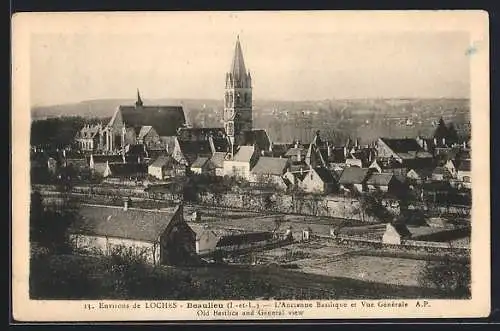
x,y
237,97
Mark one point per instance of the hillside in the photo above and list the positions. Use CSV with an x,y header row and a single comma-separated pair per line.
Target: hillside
x,y
365,119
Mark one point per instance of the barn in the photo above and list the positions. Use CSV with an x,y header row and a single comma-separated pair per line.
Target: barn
x,y
159,236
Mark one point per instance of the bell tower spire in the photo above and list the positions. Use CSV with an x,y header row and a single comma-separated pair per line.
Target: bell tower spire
x,y
138,103
238,96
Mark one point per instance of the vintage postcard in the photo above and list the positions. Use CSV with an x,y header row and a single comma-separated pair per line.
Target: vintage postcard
x,y
250,165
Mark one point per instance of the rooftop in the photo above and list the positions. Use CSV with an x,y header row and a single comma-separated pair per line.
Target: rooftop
x,y
137,224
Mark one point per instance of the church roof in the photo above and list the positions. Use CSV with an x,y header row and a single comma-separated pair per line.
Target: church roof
x,y
164,119
238,68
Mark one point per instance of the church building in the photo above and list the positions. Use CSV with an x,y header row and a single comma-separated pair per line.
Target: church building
x,y
140,124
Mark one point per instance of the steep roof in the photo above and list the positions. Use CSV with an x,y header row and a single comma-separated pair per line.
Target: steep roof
x,y
218,158
353,175
144,131
401,229
279,149
164,119
379,179
293,151
127,169
192,149
137,224
238,68
326,175
164,161
270,166
244,154
402,145
256,137
200,162
88,131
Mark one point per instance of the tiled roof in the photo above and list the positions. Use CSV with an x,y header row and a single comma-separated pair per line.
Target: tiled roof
x,y
279,149
440,171
192,149
217,159
137,224
127,169
295,150
326,175
402,145
244,154
164,119
254,137
270,166
401,229
199,162
88,131
379,179
164,161
353,175
108,158
144,131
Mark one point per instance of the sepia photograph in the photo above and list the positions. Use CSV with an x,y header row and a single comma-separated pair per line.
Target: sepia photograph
x,y
250,165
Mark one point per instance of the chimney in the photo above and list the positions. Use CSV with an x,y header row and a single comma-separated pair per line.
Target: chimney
x,y
465,145
444,141
435,141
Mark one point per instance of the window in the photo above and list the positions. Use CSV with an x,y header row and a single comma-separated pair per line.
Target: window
x,y
466,179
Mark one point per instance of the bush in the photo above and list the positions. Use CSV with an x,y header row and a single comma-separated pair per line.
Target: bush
x,y
450,276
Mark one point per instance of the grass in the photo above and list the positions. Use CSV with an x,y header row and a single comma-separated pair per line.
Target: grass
x,y
79,277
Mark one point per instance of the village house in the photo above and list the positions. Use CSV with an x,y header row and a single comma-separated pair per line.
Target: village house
x,y
295,174
464,173
382,182
217,160
99,163
418,176
244,159
407,152
159,236
126,171
187,151
89,138
354,179
165,166
451,167
203,166
297,153
318,180
148,137
395,233
441,174
269,170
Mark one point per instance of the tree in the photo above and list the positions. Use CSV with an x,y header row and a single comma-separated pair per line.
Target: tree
x,y
449,275
441,130
452,134
49,227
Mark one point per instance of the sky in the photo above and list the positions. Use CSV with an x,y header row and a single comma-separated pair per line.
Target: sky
x,y
291,57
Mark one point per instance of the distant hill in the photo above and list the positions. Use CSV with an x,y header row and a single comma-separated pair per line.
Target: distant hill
x,y
365,119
